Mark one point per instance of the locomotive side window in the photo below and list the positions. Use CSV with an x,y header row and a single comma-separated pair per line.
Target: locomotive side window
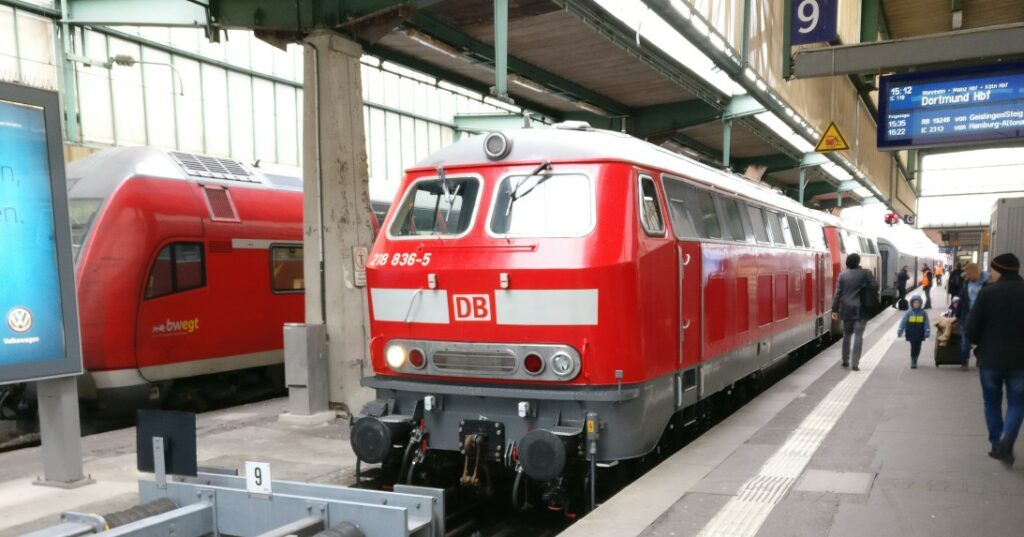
x,y
650,208
286,269
776,226
693,211
437,208
178,267
787,233
794,229
757,222
815,235
733,219
555,205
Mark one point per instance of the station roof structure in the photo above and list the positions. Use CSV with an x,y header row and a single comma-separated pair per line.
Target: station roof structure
x,y
915,18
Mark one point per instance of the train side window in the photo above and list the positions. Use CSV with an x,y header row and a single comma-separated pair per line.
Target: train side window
x,y
794,229
814,233
757,222
650,208
679,209
286,274
776,226
787,234
733,219
850,242
178,267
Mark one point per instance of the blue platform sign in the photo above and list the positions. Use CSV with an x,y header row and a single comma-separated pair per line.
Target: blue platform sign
x,y
813,21
36,280
952,107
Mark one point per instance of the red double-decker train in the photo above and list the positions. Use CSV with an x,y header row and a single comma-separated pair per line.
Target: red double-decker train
x,y
546,300
186,266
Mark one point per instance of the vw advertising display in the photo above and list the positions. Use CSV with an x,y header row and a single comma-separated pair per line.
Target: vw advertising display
x,y
38,319
976,104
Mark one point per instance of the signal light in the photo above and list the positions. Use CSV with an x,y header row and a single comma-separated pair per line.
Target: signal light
x,y
395,356
533,363
417,359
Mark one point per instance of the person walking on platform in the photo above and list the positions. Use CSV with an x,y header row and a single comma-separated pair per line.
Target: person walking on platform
x,y
939,271
954,283
856,295
926,286
916,328
994,324
901,286
974,281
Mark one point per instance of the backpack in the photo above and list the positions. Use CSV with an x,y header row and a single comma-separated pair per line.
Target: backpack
x,y
903,305
869,296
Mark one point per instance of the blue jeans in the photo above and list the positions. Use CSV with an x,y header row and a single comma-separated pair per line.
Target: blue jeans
x,y
992,381
965,346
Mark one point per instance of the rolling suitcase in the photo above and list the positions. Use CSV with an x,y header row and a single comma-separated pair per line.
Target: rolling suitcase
x,y
950,353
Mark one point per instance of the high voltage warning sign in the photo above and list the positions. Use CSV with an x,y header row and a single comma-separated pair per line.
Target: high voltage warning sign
x,y
832,140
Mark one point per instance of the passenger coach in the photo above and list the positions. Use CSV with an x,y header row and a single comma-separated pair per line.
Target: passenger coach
x,y
543,300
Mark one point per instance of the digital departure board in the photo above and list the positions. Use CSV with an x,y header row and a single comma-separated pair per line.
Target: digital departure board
x,y
38,317
955,107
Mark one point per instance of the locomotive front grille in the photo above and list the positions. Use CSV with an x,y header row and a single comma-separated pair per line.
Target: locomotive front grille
x,y
485,363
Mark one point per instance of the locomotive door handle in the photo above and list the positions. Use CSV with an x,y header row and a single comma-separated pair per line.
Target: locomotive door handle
x,y
686,324
686,259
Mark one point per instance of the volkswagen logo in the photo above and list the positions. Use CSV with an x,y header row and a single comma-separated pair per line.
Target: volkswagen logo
x,y
19,319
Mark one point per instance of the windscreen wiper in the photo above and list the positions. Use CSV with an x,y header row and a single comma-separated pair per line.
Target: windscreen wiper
x,y
449,195
516,194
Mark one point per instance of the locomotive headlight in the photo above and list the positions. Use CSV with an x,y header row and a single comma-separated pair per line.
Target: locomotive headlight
x,y
561,364
395,356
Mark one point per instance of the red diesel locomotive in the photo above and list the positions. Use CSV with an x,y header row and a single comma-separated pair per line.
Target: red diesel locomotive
x,y
186,265
544,300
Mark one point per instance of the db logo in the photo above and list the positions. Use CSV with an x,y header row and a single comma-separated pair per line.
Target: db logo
x,y
19,319
472,307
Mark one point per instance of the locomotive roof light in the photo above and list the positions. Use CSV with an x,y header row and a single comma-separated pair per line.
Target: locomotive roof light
x,y
562,364
497,146
395,356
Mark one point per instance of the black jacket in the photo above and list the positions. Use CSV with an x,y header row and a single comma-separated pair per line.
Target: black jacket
x,y
851,291
901,279
995,323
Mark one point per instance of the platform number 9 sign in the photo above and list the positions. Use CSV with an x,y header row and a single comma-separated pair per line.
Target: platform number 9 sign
x,y
813,21
257,477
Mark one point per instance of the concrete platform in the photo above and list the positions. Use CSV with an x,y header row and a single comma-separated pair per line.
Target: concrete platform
x,y
226,439
887,451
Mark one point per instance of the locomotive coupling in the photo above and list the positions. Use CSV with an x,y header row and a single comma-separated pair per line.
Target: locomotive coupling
x,y
373,438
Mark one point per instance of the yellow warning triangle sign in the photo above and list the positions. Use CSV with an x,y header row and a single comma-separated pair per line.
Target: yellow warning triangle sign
x,y
832,140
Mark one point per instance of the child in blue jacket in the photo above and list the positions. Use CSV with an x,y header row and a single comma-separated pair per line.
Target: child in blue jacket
x,y
916,328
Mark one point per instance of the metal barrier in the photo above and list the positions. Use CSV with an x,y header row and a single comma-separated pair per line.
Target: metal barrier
x,y
217,503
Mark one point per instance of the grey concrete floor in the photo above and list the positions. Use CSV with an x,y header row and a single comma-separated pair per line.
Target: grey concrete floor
x,y
907,458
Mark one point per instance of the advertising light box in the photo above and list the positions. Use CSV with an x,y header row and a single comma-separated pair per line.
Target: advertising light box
x,y
38,317
953,107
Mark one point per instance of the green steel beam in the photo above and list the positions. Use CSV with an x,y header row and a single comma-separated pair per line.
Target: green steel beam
x,y
742,106
450,76
455,37
501,49
670,117
726,140
870,20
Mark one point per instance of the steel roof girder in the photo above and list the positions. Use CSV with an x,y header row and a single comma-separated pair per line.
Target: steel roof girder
x,y
895,55
670,117
459,39
742,106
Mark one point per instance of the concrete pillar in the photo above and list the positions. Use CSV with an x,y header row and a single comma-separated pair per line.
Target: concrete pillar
x,y
336,210
61,433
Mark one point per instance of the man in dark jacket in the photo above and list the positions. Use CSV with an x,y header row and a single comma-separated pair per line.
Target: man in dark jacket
x,y
974,280
901,285
855,291
994,324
